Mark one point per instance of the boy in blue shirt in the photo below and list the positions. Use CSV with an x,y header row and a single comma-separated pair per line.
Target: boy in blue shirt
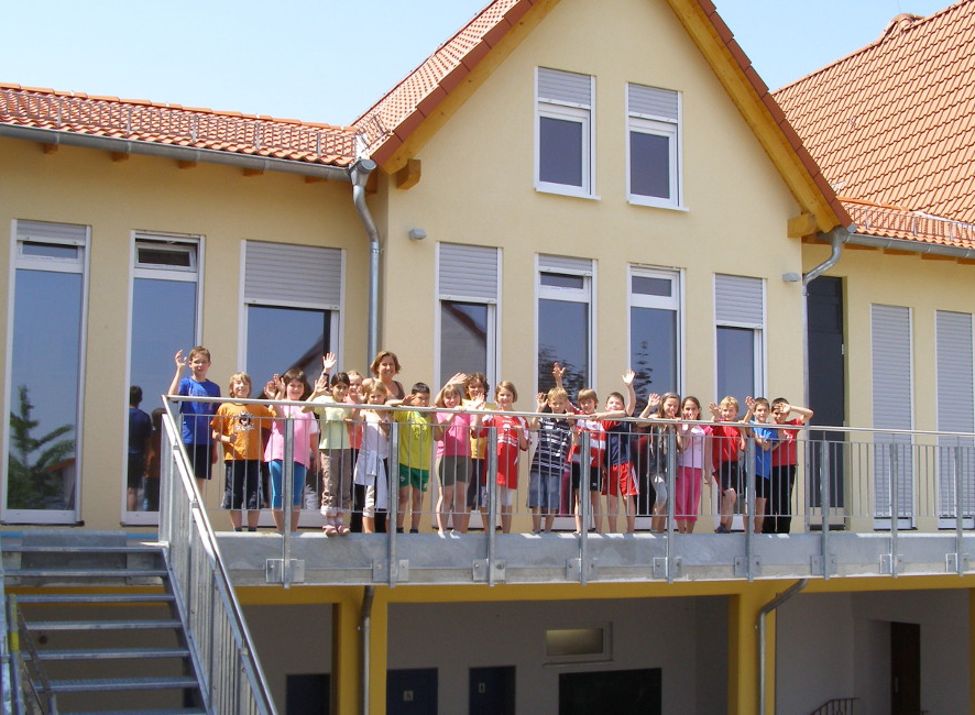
x,y
196,415
759,408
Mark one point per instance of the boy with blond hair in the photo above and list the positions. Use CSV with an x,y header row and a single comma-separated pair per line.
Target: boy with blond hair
x,y
727,445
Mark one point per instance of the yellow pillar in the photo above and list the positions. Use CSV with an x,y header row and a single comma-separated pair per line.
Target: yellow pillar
x,y
378,646
743,649
346,653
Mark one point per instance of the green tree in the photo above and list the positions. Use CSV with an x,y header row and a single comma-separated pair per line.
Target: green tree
x,y
33,480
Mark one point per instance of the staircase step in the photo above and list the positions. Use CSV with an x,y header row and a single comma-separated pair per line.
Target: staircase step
x,y
91,685
85,573
95,598
111,653
101,625
25,549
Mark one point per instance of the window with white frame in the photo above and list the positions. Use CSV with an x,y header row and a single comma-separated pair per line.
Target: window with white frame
x,y
655,330
467,290
292,299
739,309
564,132
956,413
45,368
653,146
565,328
164,318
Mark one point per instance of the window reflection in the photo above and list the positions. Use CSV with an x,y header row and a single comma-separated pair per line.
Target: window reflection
x,y
45,381
279,339
653,350
463,338
563,336
736,363
650,165
560,151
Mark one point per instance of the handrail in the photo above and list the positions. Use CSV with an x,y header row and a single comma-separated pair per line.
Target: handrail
x,y
204,594
6,660
836,706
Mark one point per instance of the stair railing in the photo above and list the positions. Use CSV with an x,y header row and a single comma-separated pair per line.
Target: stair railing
x,y
231,678
21,691
837,706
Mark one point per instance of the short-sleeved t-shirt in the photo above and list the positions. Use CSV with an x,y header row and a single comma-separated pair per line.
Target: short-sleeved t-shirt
x,y
196,415
619,438
727,439
304,427
786,452
554,439
456,441
243,424
333,423
415,439
140,429
763,458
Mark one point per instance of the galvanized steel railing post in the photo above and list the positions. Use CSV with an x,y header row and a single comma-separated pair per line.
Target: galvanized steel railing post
x,y
585,503
392,510
672,492
956,455
824,497
492,485
287,497
893,508
750,477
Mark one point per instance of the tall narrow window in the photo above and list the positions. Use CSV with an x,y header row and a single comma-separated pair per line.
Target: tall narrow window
x,y
292,296
892,409
654,330
165,306
564,142
467,286
653,146
565,321
43,436
739,307
956,413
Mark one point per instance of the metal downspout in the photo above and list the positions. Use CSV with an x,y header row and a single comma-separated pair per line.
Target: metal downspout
x,y
365,633
358,175
760,625
838,236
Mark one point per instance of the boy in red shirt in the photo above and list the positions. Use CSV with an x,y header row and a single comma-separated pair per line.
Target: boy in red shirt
x,y
727,444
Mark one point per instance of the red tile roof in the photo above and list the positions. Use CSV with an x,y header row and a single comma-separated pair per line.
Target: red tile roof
x,y
893,126
139,120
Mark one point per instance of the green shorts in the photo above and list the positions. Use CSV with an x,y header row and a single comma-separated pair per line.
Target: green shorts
x,y
413,477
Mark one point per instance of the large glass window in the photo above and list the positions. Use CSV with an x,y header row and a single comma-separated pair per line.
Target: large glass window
x,y
564,328
740,328
653,134
564,132
43,436
280,338
165,297
464,339
654,330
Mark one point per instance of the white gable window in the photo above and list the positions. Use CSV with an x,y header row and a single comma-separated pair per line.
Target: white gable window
x,y
653,146
564,127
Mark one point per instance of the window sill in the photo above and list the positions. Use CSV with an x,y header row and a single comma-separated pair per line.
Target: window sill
x,y
565,191
655,203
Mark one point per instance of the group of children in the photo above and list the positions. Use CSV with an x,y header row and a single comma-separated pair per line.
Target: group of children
x,y
353,430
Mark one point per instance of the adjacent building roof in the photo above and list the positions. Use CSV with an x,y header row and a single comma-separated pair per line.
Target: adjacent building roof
x,y
142,121
893,128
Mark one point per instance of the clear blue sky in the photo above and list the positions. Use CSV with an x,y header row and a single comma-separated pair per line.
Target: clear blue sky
x,y
329,60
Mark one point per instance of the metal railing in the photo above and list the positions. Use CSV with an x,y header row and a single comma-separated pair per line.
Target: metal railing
x,y
837,706
232,680
861,481
30,689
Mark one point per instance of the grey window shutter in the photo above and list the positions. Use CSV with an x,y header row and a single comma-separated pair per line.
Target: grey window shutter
x,y
468,272
565,264
283,274
652,102
739,300
44,231
892,407
567,87
956,396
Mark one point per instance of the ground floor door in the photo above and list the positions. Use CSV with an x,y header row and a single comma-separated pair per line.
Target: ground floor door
x,y
620,692
411,691
905,668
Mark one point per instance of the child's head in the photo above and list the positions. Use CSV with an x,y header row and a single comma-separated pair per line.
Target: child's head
x,y
615,402
588,399
198,361
729,408
477,385
505,394
295,384
157,416
340,386
762,409
450,397
690,408
239,385
355,384
135,395
385,364
377,393
669,404
420,395
558,400
778,409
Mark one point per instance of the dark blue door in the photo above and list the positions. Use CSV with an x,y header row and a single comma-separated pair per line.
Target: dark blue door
x,y
411,692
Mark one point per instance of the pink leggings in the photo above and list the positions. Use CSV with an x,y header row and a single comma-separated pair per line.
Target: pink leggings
x,y
687,500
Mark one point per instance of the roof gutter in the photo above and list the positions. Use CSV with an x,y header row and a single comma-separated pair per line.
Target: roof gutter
x,y
169,151
900,244
359,175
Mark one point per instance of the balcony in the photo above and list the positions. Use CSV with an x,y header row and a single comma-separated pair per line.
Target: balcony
x,y
866,476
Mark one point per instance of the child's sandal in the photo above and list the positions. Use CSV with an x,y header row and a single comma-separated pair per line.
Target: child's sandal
x,y
330,530
343,530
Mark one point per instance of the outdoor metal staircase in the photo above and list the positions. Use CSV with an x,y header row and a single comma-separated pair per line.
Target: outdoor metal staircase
x,y
100,628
